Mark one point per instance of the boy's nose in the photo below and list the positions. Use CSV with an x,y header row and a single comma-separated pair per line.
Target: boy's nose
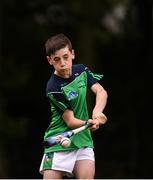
x,y
62,62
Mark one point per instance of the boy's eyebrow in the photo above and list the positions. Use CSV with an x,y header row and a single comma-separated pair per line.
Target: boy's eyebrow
x,y
66,54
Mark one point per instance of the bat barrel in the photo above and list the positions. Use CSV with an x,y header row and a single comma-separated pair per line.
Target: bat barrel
x,y
51,141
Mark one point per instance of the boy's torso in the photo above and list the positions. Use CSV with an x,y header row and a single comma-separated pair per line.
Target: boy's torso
x,y
69,93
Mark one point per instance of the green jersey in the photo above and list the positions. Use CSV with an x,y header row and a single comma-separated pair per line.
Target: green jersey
x,y
70,94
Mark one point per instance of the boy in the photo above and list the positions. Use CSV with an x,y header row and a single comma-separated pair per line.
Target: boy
x,y
66,91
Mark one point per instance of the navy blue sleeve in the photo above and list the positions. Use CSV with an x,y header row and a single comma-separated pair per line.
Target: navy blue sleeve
x,y
92,78
56,97
59,102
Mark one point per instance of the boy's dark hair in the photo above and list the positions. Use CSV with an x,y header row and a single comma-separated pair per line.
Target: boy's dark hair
x,y
57,42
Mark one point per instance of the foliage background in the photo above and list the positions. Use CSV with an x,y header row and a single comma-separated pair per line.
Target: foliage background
x,y
112,37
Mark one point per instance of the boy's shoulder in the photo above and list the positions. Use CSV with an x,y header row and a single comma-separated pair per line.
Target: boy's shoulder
x,y
79,67
53,84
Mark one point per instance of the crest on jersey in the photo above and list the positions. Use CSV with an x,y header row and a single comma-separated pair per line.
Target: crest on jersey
x,y
72,95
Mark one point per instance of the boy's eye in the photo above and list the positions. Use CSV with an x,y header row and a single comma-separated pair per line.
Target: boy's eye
x,y
56,59
65,57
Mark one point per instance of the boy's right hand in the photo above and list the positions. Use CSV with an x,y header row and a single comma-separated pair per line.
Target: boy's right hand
x,y
96,122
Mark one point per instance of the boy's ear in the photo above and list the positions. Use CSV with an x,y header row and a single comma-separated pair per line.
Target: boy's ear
x,y
73,54
49,60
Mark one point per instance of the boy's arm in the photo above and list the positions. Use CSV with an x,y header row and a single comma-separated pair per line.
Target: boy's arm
x,y
71,121
100,103
98,118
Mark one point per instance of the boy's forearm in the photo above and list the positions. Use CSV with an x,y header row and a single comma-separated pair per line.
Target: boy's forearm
x,y
97,114
101,100
75,123
71,121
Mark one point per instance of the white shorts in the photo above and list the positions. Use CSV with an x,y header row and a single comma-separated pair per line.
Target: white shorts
x,y
65,161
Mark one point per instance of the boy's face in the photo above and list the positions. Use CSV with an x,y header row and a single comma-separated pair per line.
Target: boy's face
x,y
61,60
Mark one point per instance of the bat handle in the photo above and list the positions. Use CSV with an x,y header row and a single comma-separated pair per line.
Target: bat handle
x,y
87,124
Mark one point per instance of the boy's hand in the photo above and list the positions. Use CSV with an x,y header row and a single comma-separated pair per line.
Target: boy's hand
x,y
95,124
101,118
97,121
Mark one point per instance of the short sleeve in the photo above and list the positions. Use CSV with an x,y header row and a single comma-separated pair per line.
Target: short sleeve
x,y
92,78
59,102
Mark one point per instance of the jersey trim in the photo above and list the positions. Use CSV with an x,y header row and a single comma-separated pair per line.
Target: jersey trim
x,y
58,104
